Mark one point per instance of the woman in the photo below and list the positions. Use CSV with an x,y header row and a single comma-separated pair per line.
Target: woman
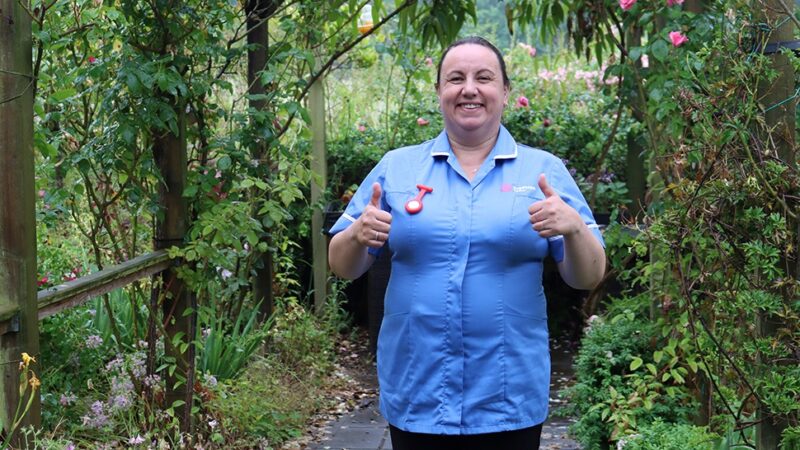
x,y
463,357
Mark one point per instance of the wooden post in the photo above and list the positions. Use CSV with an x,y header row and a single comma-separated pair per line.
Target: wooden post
x,y
636,169
319,167
17,207
169,152
258,12
780,129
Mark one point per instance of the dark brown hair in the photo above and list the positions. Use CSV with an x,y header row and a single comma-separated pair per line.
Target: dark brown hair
x,y
477,40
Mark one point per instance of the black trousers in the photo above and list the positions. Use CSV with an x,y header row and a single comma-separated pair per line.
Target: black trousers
x,y
524,439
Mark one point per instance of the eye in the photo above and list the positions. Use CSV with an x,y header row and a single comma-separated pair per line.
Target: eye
x,y
456,79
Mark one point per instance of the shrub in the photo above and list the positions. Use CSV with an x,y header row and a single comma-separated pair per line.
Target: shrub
x,y
669,436
616,390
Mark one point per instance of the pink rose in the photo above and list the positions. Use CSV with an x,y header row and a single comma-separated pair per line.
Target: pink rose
x,y
429,60
626,4
671,3
531,49
422,122
522,102
92,60
41,193
362,128
677,38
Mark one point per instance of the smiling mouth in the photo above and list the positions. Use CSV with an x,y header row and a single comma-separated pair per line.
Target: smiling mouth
x,y
470,106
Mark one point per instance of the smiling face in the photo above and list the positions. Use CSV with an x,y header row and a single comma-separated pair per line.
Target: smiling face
x,y
471,93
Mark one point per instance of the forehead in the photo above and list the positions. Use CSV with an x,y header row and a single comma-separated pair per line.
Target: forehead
x,y
470,57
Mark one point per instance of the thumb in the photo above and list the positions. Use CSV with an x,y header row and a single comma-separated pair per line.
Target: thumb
x,y
545,186
376,196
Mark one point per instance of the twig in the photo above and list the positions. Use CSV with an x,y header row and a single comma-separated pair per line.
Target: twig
x,y
11,99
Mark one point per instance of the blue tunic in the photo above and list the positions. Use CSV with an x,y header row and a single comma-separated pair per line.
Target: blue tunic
x,y
463,346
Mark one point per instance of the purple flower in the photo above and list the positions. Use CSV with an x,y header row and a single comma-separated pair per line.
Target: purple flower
x,y
67,399
210,380
98,419
138,368
120,402
607,177
98,408
115,364
152,380
136,440
94,341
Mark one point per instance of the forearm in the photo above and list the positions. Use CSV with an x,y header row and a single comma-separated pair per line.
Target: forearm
x,y
347,257
584,261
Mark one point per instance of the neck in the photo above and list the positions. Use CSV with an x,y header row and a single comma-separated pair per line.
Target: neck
x,y
472,152
471,155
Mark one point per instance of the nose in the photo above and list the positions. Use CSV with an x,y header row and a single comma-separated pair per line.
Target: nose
x,y
470,86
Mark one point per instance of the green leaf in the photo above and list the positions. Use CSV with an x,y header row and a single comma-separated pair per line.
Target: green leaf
x,y
190,191
63,94
658,355
636,363
659,50
224,163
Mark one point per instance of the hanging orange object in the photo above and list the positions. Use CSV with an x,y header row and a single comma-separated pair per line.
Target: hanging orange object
x,y
365,20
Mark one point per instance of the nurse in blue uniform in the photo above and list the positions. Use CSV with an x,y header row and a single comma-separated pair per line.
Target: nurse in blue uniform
x,y
463,359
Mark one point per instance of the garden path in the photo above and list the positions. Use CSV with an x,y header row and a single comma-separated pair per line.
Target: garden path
x,y
365,429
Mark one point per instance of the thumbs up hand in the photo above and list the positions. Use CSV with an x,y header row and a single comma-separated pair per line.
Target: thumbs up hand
x,y
372,228
552,216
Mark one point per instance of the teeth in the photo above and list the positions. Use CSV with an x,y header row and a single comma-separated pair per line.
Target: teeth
x,y
471,106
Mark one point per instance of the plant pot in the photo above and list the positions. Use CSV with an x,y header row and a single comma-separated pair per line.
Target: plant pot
x,y
330,215
602,218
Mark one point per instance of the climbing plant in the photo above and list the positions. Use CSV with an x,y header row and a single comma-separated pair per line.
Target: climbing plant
x,y
714,262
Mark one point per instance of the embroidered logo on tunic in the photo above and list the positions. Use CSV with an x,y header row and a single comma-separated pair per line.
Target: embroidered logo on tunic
x,y
524,188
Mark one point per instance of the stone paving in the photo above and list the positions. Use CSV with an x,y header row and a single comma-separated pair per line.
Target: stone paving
x,y
365,428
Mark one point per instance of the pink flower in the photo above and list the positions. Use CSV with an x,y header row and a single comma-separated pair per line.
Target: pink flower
x,y
531,49
362,128
429,61
92,60
671,3
522,102
626,4
41,193
677,38
422,122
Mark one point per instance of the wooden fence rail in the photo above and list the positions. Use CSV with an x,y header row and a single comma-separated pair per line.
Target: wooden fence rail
x,y
75,292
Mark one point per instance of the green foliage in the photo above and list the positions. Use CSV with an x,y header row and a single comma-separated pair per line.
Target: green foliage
x,y
667,436
224,349
622,383
276,394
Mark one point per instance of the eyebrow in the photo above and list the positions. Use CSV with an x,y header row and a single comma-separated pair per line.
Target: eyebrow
x,y
479,72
